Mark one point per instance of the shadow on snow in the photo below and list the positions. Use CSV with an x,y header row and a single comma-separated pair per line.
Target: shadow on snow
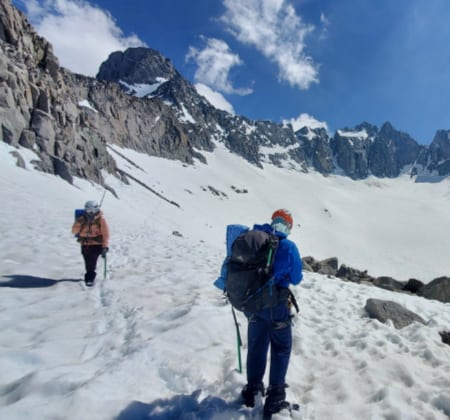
x,y
184,407
23,281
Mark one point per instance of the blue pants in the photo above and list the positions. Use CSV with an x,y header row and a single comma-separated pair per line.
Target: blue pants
x,y
271,326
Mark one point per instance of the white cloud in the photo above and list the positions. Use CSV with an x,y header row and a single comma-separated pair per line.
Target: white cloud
x,y
215,62
325,24
82,35
274,28
305,120
214,98
324,19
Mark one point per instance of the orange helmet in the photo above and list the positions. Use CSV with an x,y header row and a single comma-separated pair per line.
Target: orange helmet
x,y
285,215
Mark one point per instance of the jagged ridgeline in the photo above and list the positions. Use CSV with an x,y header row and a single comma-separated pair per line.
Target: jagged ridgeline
x,y
140,101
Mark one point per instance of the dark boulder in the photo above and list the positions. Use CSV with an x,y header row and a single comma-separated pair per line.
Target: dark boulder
x,y
328,267
438,289
353,275
445,335
389,283
413,285
384,310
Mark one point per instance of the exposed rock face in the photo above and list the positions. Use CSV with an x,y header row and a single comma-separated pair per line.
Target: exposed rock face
x,y
406,149
136,65
315,145
366,150
356,152
19,34
68,119
351,148
203,123
439,153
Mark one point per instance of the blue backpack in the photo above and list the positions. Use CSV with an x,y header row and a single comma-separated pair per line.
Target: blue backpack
x,y
233,231
78,213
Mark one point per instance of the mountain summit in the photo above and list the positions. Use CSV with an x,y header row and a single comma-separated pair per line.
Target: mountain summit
x,y
136,66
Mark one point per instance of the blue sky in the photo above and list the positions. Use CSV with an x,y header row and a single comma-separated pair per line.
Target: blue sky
x,y
335,63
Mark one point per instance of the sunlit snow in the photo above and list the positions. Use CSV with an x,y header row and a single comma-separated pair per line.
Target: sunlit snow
x,y
155,340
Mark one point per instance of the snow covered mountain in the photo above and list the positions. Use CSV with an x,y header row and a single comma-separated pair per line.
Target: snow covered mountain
x,y
140,101
355,152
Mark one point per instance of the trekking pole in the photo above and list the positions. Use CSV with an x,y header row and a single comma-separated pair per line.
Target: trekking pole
x,y
239,341
104,268
103,196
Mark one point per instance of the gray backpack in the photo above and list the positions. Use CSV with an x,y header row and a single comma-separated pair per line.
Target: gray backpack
x,y
249,284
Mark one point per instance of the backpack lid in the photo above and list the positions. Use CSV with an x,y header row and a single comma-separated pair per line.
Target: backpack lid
x,y
253,248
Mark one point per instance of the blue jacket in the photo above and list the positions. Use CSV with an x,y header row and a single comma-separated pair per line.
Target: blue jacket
x,y
287,267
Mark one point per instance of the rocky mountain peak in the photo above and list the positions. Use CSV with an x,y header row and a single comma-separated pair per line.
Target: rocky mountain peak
x,y
439,152
136,65
370,129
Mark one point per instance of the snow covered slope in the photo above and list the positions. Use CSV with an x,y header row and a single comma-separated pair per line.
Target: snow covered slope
x,y
155,340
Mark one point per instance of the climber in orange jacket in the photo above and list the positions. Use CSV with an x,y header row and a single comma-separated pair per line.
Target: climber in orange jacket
x,y
92,232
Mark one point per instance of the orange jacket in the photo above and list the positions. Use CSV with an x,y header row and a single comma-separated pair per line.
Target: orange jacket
x,y
95,232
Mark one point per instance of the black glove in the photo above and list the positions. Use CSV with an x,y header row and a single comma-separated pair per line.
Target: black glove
x,y
104,251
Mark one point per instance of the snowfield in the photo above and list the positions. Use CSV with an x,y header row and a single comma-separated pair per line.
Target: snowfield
x,y
154,338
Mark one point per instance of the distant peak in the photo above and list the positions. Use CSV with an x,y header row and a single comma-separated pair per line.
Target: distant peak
x,y
134,66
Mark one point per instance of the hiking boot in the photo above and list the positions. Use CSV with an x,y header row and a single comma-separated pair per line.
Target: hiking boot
x,y
250,391
89,278
276,400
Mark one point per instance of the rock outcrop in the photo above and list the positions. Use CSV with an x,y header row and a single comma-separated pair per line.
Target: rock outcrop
x,y
437,289
69,119
384,310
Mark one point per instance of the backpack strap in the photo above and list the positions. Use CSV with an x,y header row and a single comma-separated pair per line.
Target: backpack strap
x,y
273,243
82,221
292,300
85,222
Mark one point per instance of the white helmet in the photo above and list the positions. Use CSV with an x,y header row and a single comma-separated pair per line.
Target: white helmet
x,y
91,207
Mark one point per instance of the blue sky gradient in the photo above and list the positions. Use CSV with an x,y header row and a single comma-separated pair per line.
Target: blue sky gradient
x,y
336,62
